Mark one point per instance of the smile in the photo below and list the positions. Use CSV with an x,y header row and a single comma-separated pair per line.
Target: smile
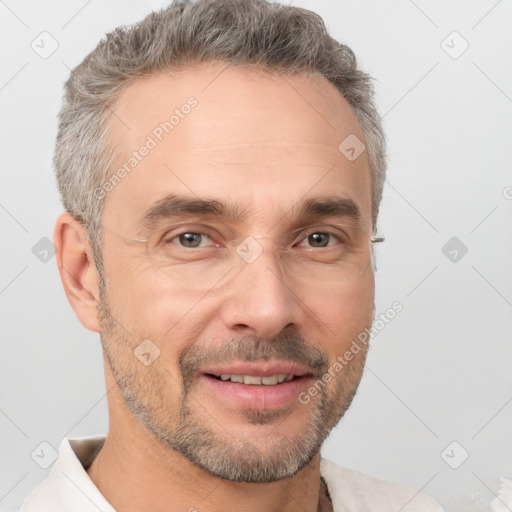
x,y
252,380
261,385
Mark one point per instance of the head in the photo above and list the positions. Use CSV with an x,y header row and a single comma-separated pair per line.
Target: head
x,y
197,153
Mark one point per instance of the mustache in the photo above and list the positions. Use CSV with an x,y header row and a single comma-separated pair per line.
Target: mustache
x,y
250,348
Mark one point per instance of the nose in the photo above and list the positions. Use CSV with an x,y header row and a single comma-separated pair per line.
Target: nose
x,y
259,301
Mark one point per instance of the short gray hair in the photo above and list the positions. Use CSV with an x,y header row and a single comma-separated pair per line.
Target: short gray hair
x,y
270,36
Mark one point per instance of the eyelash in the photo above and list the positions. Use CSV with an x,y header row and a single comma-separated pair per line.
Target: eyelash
x,y
169,239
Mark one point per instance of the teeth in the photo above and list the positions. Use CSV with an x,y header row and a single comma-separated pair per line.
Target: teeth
x,y
252,380
270,380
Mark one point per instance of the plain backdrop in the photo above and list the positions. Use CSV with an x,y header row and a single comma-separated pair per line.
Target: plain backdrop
x,y
434,408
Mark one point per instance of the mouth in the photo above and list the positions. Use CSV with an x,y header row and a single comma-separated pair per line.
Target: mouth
x,y
256,386
255,380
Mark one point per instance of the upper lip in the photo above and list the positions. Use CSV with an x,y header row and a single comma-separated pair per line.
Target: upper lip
x,y
257,369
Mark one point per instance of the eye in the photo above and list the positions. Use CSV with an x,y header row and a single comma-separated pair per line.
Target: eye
x,y
320,239
191,239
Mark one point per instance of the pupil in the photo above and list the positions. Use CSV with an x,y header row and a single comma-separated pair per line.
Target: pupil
x,y
190,239
317,239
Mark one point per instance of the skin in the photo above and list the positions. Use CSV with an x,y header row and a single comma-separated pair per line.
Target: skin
x,y
268,142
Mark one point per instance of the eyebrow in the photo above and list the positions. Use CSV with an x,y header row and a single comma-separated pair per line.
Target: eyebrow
x,y
174,205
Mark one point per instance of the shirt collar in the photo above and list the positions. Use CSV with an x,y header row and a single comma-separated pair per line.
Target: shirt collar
x,y
76,490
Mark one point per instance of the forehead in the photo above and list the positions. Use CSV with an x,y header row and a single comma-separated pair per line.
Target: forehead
x,y
266,140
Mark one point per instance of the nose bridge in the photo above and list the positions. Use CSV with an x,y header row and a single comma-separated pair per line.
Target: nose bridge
x,y
260,299
262,265
253,246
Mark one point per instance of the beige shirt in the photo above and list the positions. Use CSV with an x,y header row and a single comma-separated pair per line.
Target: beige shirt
x,y
68,487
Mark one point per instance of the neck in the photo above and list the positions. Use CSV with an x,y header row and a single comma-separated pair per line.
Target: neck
x,y
135,471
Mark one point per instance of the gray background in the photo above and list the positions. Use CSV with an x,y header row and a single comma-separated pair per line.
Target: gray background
x,y
438,373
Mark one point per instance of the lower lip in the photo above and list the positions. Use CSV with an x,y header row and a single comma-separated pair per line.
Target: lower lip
x,y
254,397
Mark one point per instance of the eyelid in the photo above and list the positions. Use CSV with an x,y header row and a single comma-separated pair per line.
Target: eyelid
x,y
323,228
184,227
170,237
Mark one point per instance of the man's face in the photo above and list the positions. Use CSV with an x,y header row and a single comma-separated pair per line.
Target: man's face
x,y
285,302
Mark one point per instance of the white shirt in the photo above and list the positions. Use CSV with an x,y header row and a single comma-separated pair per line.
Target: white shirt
x,y
68,487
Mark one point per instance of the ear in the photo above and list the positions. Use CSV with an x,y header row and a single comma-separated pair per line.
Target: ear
x,y
77,269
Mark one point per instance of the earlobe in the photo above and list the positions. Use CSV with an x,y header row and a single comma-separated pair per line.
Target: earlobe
x,y
77,270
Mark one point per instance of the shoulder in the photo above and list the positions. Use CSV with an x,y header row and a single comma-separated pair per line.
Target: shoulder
x,y
352,491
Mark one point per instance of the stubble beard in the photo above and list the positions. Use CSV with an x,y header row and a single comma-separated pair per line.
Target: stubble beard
x,y
201,438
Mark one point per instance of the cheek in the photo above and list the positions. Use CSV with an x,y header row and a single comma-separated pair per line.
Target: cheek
x,y
347,312
359,300
141,296
150,306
